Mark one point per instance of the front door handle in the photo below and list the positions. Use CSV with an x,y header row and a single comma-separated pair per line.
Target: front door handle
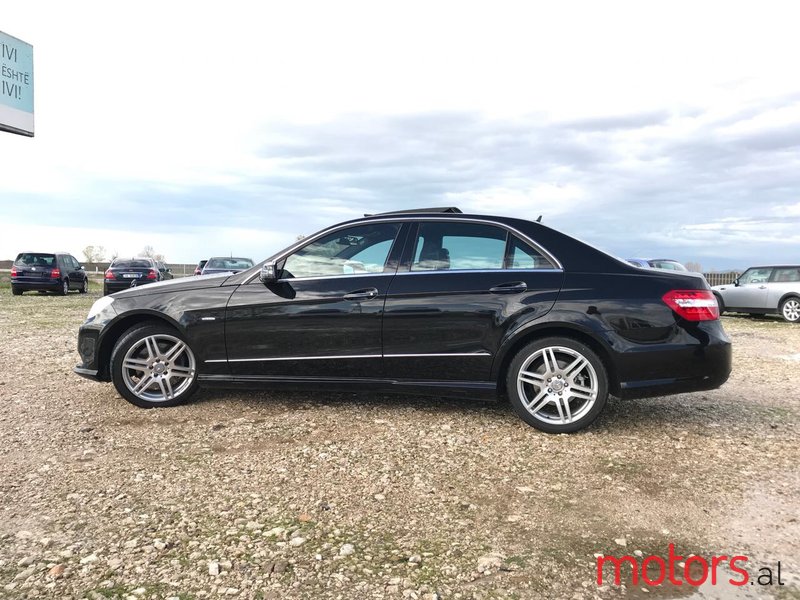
x,y
762,287
515,287
367,294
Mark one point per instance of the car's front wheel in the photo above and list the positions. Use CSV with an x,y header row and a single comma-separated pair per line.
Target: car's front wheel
x,y
557,385
790,310
152,366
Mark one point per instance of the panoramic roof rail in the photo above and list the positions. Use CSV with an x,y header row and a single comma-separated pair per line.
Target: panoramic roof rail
x,y
438,209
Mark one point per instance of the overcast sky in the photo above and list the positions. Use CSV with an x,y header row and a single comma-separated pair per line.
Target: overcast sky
x,y
649,129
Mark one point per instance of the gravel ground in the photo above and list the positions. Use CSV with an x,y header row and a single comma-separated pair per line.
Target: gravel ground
x,y
278,495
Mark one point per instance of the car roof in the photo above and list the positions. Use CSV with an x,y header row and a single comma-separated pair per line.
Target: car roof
x,y
795,266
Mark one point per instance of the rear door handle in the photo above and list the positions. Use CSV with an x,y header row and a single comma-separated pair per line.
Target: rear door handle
x,y
762,287
367,294
515,287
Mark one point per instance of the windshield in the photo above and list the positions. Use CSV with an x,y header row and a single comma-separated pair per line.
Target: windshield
x,y
131,264
35,259
229,263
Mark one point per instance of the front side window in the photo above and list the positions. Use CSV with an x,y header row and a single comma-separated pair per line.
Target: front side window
x,y
357,250
759,275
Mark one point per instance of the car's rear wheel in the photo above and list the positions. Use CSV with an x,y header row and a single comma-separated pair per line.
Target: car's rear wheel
x,y
85,286
64,288
557,385
16,291
790,310
152,366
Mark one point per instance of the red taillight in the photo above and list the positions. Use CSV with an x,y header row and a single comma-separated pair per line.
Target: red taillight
x,y
109,275
693,305
55,274
14,271
152,274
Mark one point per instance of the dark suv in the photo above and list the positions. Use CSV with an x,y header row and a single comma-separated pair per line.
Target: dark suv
x,y
420,302
47,272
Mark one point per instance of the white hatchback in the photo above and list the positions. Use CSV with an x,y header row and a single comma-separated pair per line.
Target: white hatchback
x,y
763,290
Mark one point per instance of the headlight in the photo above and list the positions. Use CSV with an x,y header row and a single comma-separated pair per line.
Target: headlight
x,y
98,306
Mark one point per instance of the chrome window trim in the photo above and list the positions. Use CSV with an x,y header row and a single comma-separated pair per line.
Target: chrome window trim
x,y
443,271
339,357
411,219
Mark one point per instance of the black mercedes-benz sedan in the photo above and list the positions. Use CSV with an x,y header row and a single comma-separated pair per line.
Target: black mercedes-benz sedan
x,y
124,273
427,301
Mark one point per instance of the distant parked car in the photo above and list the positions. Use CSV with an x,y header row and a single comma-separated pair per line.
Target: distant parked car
x,y
658,263
226,264
198,270
772,289
130,272
165,271
47,272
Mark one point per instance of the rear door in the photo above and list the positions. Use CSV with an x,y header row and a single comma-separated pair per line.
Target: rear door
x,y
73,271
783,281
461,286
751,293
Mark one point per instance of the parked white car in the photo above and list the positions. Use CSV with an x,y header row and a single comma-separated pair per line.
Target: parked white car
x,y
763,290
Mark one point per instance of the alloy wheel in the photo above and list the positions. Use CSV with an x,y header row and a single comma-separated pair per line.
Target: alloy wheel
x,y
158,368
557,385
791,310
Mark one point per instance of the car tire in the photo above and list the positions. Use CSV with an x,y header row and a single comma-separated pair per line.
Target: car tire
x,y
105,291
152,366
64,288
720,303
790,309
557,385
16,291
84,286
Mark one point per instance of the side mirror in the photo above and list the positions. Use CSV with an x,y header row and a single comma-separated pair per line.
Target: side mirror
x,y
269,273
736,282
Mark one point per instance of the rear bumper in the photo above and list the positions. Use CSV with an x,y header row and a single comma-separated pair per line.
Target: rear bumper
x,y
44,285
87,373
698,359
117,286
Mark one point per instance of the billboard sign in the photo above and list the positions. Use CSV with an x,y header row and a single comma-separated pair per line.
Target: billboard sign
x,y
16,85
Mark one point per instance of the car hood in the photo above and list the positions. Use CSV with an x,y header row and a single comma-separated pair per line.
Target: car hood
x,y
175,285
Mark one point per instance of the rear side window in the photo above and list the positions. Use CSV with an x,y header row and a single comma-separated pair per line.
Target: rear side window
x,y
472,246
522,256
459,246
790,275
35,259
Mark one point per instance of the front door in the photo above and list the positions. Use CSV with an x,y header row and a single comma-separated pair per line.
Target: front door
x,y
322,318
751,293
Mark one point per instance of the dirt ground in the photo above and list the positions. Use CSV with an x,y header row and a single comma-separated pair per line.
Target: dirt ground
x,y
278,495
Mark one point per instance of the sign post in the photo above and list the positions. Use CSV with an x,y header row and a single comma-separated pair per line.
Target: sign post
x,y
16,85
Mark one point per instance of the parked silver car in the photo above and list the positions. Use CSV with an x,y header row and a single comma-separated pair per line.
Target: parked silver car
x,y
763,290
